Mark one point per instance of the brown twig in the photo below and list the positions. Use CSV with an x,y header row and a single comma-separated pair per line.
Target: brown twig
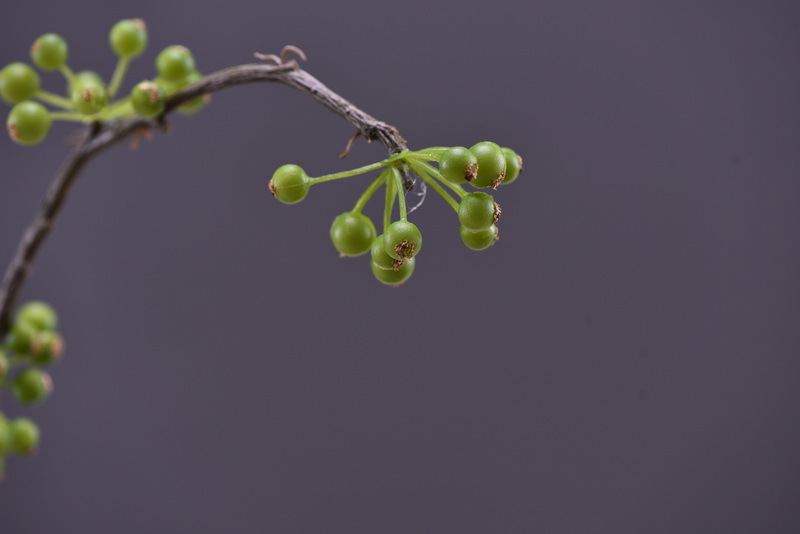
x,y
98,137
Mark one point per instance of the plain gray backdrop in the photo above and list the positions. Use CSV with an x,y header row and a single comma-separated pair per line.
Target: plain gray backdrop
x,y
624,360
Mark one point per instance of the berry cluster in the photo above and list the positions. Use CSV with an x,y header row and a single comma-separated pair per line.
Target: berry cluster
x,y
32,344
88,98
485,165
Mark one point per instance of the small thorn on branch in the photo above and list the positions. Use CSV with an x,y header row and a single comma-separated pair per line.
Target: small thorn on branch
x,y
281,59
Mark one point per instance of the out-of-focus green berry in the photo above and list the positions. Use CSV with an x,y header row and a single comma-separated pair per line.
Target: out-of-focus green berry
x,y
4,364
20,338
148,99
39,314
18,82
24,436
513,165
196,104
88,96
458,165
46,348
49,52
128,38
402,240
289,184
175,63
32,386
352,233
480,240
28,123
393,277
5,435
491,164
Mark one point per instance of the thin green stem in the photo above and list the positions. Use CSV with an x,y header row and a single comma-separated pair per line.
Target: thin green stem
x,y
54,100
435,185
430,169
69,116
346,174
68,74
387,209
120,108
118,76
366,195
401,193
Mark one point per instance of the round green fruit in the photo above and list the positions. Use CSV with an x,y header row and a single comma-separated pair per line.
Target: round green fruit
x,y
175,63
24,436
148,99
352,233
49,52
89,96
128,38
46,348
28,123
458,165
478,211
393,277
513,165
402,240
39,314
491,164
32,386
380,258
289,184
18,82
480,240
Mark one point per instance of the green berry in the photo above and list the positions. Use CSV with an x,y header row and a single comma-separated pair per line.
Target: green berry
x,y
196,104
480,240
289,184
4,364
89,96
478,211
380,258
458,165
28,123
352,233
402,240
24,436
393,277
513,165
128,38
32,385
148,99
5,436
18,82
49,52
491,164
46,348
20,338
38,314
175,63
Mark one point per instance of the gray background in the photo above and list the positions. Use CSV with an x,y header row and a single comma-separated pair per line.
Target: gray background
x,y
624,360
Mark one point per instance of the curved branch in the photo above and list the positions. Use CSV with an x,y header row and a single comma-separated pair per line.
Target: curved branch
x,y
98,137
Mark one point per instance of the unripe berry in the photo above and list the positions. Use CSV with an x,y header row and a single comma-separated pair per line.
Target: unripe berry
x,y
18,82
20,338
38,314
513,165
352,233
128,38
5,436
480,240
478,211
393,277
196,104
28,123
491,164
88,96
380,258
175,63
148,99
46,348
49,52
458,165
32,386
24,436
289,184
402,240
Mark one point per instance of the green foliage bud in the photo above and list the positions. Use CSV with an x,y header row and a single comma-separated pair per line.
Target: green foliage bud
x,y
49,52
32,386
128,38
38,314
24,436
491,164
28,123
352,233
18,82
289,184
402,240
